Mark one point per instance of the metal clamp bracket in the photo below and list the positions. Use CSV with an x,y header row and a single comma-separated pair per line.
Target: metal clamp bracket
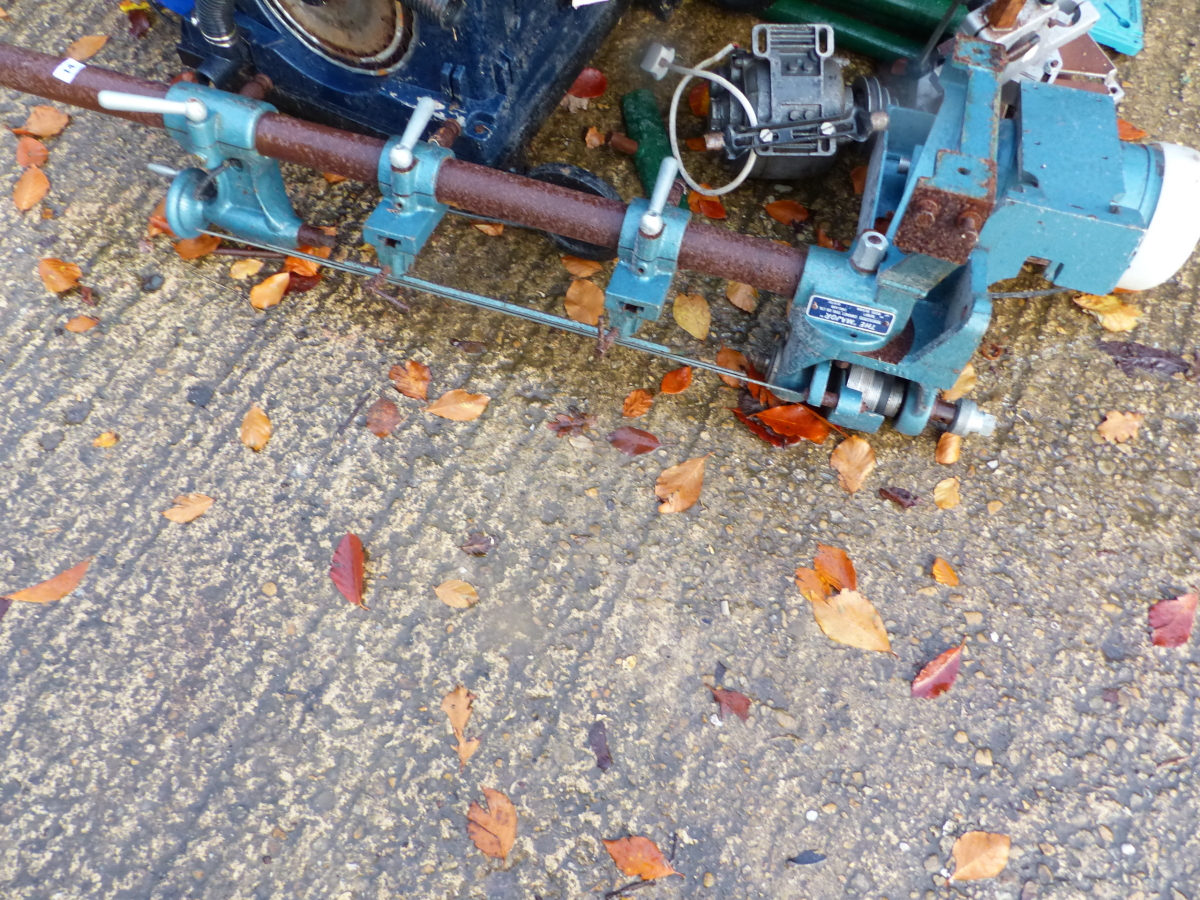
x,y
651,236
409,212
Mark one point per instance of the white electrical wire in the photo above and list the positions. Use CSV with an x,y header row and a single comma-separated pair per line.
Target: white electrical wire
x,y
699,71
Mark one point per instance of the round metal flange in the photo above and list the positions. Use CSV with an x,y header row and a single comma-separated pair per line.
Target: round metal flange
x,y
368,35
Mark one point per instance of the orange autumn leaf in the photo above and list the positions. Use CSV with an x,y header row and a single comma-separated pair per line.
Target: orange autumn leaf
x,y
700,204
269,291
786,212
31,152
494,830
949,449
412,380
30,188
158,221
834,568
637,403
80,324
945,493
854,460
333,178
194,248
593,138
459,405
581,268
849,618
1127,131
732,359
584,302
943,573
699,99
188,507
858,178
457,706
639,857
58,276
87,46
491,229
980,854
256,428
696,145
43,121
812,588
796,420
306,267
677,380
679,486
54,588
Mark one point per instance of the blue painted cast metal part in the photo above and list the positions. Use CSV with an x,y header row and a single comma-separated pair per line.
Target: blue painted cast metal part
x,y
409,212
1120,25
646,265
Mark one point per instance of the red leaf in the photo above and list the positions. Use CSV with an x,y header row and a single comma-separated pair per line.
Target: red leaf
x,y
633,441
347,569
901,497
139,22
762,394
1172,620
699,100
677,380
786,212
835,568
760,430
298,284
796,420
590,83
712,207
732,702
935,679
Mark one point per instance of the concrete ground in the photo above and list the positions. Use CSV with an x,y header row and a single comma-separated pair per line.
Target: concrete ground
x,y
205,717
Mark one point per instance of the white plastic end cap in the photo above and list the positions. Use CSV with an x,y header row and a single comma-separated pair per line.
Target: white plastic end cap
x,y
1175,225
658,59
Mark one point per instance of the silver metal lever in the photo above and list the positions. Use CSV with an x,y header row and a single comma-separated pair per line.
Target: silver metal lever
x,y
194,109
164,171
652,223
401,156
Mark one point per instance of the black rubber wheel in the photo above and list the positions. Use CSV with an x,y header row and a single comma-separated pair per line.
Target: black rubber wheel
x,y
577,179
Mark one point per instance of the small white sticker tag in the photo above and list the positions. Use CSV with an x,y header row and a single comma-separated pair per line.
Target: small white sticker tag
x,y
68,69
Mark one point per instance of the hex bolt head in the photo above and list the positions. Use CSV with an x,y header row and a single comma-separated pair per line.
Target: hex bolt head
x,y
926,213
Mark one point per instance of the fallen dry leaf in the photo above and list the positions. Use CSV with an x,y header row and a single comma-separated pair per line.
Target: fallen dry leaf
x,y
459,405
945,493
858,178
594,138
106,439
333,178
732,702
705,205
58,276
581,268
139,14
256,428
812,588
382,417
995,506
834,568
30,188
732,359
43,121
854,460
494,830
639,857
743,296
786,212
1119,427
491,229
347,568
457,594
584,302
195,248
1131,357
31,152
1172,620
938,676
699,99
245,268
796,420
850,619
637,403
55,588
188,507
598,741
679,486
87,47
298,265
901,497
157,223
759,430
1127,131
572,422
589,84
676,381
963,385
412,380
949,449
457,706
943,572
979,854
479,544
269,291
80,324
692,315
1113,313
633,441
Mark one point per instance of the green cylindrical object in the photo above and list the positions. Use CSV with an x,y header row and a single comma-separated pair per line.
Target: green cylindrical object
x,y
644,123
849,34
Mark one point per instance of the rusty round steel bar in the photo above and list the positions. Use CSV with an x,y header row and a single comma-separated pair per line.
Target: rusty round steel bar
x,y
490,192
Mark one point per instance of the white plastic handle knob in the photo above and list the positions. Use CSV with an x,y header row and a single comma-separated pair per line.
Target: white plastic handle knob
x,y
652,223
402,153
194,109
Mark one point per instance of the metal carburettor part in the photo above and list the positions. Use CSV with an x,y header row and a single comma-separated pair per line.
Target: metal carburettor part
x,y
805,110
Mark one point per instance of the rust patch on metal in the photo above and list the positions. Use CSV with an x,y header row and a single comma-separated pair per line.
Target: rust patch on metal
x,y
895,349
943,224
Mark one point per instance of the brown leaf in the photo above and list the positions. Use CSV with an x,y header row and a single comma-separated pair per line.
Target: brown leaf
x,y
459,405
80,324
898,495
139,20
937,677
412,380
43,121
382,417
298,284
787,212
1127,131
55,588
850,619
347,569
491,229
676,381
945,493
979,854
457,706
581,268
157,223
637,403
963,385
949,449
194,248
1119,427
457,594
598,740
494,830
732,702
854,460
333,178
639,857
705,205
584,302
943,572
796,420
834,568
692,314
256,428
269,291
812,588
31,152
30,188
858,178
699,99
743,296
188,507
106,439
58,276
571,422
696,145
593,138
479,544
633,441
87,47
1172,620
679,486
759,430
589,84
245,268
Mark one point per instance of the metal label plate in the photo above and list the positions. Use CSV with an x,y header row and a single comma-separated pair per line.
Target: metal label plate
x,y
850,315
